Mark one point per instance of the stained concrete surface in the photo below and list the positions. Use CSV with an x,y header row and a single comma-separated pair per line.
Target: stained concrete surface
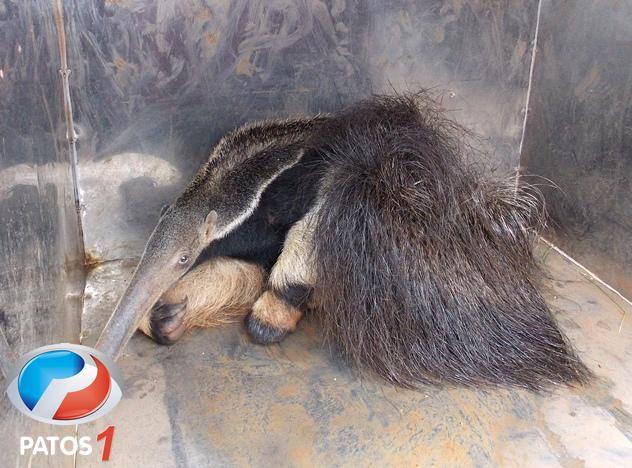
x,y
215,399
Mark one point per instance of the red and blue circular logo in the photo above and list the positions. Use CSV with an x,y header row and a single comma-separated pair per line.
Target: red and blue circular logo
x,y
65,384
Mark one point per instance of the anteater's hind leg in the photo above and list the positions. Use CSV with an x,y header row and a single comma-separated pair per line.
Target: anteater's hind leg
x,y
218,291
279,308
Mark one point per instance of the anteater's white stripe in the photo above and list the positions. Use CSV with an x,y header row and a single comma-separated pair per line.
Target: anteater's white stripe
x,y
244,215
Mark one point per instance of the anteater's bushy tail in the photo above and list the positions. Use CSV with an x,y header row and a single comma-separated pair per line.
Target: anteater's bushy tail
x,y
425,267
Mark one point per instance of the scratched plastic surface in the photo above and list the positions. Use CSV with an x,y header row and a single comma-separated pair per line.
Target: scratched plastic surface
x,y
40,253
157,83
580,134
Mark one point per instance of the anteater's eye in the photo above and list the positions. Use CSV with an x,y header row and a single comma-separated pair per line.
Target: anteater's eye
x,y
183,260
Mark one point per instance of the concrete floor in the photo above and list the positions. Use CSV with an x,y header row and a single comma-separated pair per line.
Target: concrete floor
x,y
215,399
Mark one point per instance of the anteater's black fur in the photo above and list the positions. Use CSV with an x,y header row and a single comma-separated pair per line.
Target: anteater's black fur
x,y
425,272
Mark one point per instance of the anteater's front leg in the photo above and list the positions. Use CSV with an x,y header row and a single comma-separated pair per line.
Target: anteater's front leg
x,y
278,310
221,290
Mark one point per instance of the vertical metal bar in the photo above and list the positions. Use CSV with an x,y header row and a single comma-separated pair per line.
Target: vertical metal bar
x,y
536,34
71,135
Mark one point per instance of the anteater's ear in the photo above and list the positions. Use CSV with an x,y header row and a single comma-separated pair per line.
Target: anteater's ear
x,y
208,227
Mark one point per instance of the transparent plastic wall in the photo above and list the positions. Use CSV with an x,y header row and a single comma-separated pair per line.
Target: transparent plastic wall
x,y
155,84
41,254
578,140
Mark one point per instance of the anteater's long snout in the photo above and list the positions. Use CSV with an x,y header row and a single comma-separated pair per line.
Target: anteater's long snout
x,y
141,294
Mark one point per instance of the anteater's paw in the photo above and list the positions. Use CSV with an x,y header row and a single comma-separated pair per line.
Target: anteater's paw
x,y
166,322
271,319
263,333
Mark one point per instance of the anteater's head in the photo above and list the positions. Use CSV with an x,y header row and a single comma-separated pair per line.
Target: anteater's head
x,y
182,232
222,196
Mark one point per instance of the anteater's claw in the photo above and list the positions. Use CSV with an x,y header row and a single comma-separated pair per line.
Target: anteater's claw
x,y
263,333
167,321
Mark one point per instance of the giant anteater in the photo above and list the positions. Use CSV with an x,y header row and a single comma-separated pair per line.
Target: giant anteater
x,y
419,267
